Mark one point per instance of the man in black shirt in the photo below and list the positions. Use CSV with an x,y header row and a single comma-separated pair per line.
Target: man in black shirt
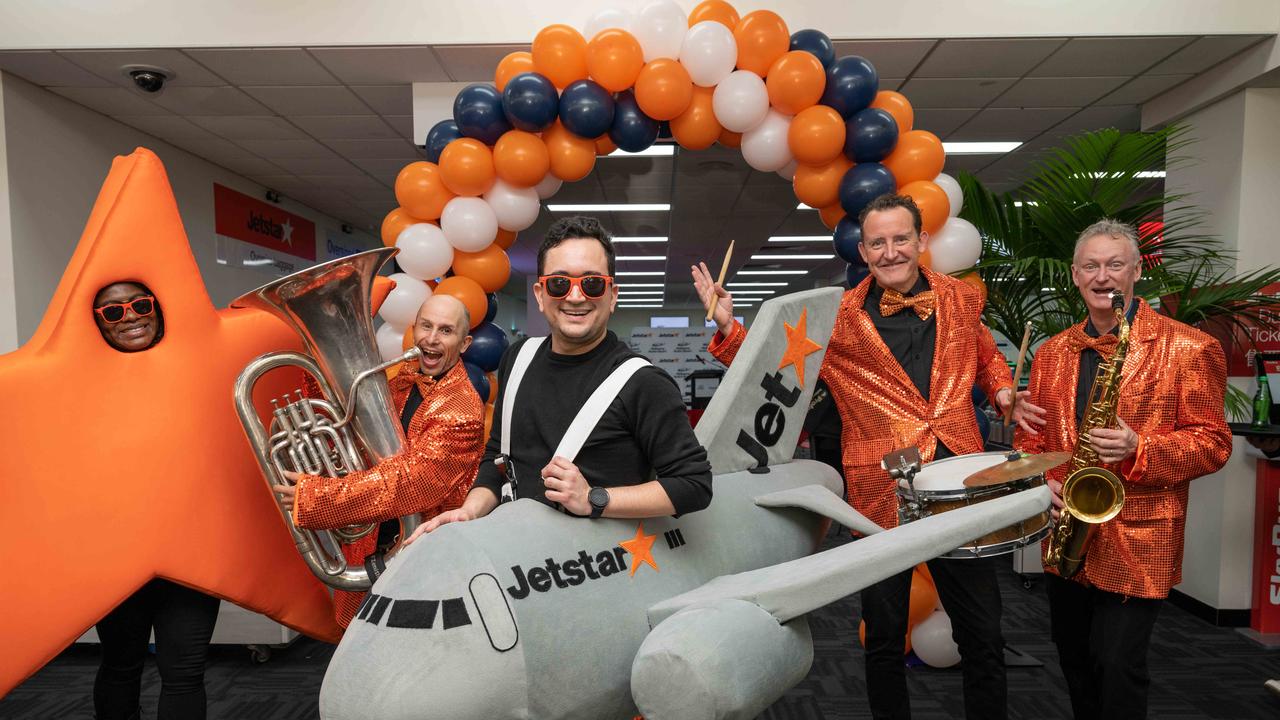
x,y
641,459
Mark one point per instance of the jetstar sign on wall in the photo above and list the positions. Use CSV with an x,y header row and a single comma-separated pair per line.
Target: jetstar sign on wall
x,y
279,239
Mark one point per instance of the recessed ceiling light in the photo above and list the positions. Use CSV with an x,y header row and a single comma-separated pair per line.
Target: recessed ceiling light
x,y
979,148
799,238
640,285
756,284
793,257
802,206
641,272
772,272
640,306
639,239
612,207
626,293
651,151
641,257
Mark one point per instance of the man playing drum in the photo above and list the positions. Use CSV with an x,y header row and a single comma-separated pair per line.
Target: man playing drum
x,y
907,349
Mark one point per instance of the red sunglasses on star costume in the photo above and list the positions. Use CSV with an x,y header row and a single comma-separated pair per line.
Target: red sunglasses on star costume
x,y
113,313
559,286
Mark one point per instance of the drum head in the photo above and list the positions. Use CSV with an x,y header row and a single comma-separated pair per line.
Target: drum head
x,y
946,476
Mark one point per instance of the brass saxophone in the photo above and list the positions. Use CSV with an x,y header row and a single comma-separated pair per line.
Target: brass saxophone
x,y
1091,494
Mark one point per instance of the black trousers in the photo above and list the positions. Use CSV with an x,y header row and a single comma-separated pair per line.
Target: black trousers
x,y
970,593
1102,641
183,620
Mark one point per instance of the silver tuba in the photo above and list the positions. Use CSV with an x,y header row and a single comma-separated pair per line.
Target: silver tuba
x,y
353,426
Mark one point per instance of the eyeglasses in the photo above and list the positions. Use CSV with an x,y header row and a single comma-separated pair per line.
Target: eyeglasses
x,y
879,244
592,286
114,312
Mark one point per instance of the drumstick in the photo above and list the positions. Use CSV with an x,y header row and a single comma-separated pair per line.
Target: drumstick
x,y
1017,374
724,267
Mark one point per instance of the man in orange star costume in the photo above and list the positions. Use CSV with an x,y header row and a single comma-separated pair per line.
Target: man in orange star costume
x,y
116,480
1170,430
907,349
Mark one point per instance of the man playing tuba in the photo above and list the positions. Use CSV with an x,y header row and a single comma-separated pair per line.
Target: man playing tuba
x,y
1170,429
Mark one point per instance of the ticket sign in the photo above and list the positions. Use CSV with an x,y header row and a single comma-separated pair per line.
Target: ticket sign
x,y
1266,550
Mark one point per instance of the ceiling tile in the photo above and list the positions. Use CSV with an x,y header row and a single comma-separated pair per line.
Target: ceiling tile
x,y
346,183
1011,124
223,100
381,66
473,63
623,172
332,166
891,58
987,58
111,100
954,92
1121,117
345,127
387,99
403,125
1204,53
1057,92
385,170
891,83
636,194
1109,56
107,63
1142,89
367,189
287,149
941,121
374,149
378,207
586,190
968,163
249,166
188,136
264,66
48,69
249,128
309,99
283,183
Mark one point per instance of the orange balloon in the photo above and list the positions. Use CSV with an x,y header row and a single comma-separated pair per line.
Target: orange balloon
x,y
831,215
488,418
862,636
795,82
520,158
715,11
924,598
816,135
572,157
819,185
560,53
421,191
511,66
975,280
466,165
935,206
469,292
926,260
731,139
490,267
897,105
614,59
407,341
762,38
697,128
493,388
917,156
605,145
393,223
505,239
663,89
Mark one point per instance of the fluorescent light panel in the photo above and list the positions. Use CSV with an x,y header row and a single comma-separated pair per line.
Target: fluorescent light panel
x,y
628,293
802,206
625,286
641,257
611,207
979,148
793,257
651,151
755,284
799,238
772,272
639,239
641,272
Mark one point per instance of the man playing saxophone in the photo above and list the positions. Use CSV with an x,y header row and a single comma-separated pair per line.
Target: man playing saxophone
x,y
1169,429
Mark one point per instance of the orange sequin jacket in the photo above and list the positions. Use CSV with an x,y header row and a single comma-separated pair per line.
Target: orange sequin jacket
x,y
1171,395
433,473
881,409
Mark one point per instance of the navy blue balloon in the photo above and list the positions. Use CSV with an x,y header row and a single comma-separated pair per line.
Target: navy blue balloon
x,y
816,44
586,109
856,273
478,381
632,130
852,83
847,236
478,112
870,135
530,102
863,183
488,342
492,310
441,134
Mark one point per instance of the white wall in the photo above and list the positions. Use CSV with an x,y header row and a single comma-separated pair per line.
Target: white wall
x,y
57,155
8,293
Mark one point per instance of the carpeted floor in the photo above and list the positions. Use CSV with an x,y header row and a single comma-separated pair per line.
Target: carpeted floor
x,y
1198,671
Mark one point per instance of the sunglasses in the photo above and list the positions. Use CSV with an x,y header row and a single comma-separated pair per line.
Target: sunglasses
x,y
114,312
592,286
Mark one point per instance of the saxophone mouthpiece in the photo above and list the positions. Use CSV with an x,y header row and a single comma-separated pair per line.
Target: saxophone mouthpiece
x,y
1117,300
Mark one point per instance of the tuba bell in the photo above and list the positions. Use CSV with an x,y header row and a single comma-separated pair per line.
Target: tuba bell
x,y
353,426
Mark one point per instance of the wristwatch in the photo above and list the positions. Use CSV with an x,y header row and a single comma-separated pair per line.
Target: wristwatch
x,y
599,499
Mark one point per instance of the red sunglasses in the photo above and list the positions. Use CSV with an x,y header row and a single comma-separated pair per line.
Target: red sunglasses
x,y
114,312
592,286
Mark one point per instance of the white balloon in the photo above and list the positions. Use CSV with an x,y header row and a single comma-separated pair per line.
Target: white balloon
x,y
402,303
957,246
390,341
424,251
788,171
951,187
740,101
469,224
764,147
621,18
549,186
515,208
932,643
709,53
660,28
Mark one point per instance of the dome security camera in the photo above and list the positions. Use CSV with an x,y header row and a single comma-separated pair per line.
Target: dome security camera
x,y
146,78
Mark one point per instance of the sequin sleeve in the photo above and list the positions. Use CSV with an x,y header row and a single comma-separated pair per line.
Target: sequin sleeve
x,y
1023,440
725,349
993,371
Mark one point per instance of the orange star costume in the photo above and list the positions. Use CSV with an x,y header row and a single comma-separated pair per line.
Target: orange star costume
x,y
1171,390
434,473
121,467
880,407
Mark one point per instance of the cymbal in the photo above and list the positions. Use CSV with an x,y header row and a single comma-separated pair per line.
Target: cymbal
x,y
1011,470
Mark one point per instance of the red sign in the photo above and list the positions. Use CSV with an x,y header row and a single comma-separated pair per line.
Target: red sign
x,y
250,220
1266,550
1264,338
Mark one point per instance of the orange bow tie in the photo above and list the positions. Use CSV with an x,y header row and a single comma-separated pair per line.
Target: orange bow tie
x,y
892,302
1103,345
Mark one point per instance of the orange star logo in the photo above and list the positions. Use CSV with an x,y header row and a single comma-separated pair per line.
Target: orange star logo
x,y
641,549
799,346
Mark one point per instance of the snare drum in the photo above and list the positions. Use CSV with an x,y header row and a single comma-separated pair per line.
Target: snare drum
x,y
939,486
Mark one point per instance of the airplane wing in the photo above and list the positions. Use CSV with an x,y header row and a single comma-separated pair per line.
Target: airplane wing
x,y
820,500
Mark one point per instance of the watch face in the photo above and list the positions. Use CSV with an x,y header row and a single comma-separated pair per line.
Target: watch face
x,y
598,497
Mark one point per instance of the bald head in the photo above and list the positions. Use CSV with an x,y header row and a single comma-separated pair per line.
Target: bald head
x,y
442,332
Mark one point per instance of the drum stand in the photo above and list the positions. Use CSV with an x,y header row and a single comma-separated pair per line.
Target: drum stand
x,y
904,464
